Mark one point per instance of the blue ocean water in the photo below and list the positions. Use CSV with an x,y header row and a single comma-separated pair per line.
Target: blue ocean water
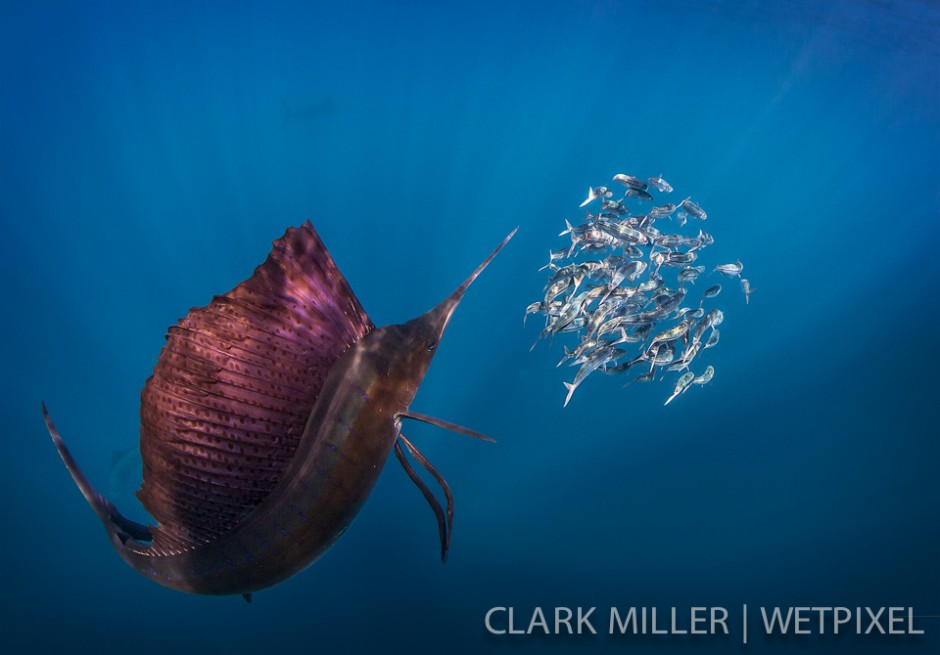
x,y
151,151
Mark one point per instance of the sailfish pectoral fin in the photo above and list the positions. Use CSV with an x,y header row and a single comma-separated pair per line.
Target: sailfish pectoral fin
x,y
446,425
114,522
444,526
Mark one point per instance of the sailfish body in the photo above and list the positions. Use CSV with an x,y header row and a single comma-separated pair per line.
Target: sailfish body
x,y
266,423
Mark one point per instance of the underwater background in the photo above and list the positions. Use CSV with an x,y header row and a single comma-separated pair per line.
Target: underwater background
x,y
151,151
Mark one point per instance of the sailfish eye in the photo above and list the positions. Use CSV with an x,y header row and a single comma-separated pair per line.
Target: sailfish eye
x,y
431,345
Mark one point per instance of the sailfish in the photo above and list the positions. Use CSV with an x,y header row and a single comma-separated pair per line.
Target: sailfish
x,y
266,423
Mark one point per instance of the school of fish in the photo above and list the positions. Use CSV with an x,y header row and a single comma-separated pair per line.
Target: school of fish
x,y
625,283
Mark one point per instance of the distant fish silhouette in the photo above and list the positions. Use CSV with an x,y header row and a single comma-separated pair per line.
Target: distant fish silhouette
x,y
266,422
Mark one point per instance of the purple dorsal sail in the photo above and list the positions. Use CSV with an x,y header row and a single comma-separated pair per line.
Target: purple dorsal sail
x,y
228,400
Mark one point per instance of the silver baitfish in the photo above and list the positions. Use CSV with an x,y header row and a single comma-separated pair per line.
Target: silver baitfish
x,y
705,377
630,182
595,193
620,285
693,209
731,270
660,184
681,385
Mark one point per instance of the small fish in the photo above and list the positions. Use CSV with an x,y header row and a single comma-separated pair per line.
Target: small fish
x,y
613,324
670,301
624,337
665,353
567,320
632,252
693,209
613,206
705,377
595,193
650,285
677,259
593,267
697,243
690,274
534,308
660,184
575,325
589,295
568,313
630,182
607,264
568,355
597,238
554,308
702,326
628,271
623,231
639,194
746,288
712,339
684,381
562,272
583,347
662,211
670,334
711,292
731,270
598,359
690,354
577,278
554,256
715,317
557,289
570,386
681,218
574,230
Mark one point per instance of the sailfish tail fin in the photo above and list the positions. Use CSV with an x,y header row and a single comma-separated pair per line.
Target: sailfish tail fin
x,y
116,525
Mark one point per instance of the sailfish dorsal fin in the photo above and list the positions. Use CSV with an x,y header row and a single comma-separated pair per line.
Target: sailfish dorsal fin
x,y
226,406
